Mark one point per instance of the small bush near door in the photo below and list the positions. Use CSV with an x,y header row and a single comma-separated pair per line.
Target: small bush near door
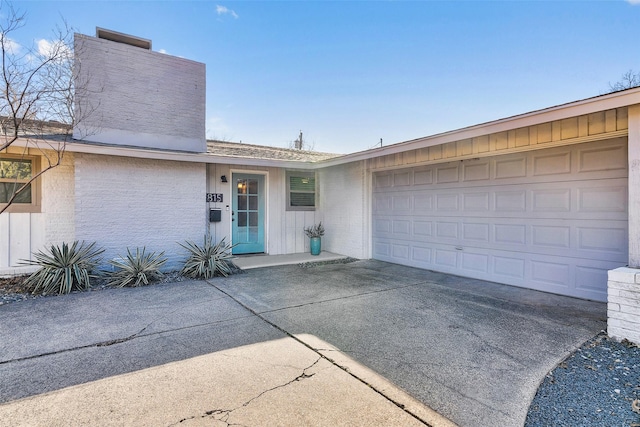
x,y
136,270
208,260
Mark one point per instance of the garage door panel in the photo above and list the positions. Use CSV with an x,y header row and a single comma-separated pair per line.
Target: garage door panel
x,y
476,202
447,174
476,232
447,231
603,158
611,240
509,268
422,229
547,162
602,197
401,203
476,171
553,219
550,272
551,200
545,236
401,227
475,262
446,258
510,167
401,179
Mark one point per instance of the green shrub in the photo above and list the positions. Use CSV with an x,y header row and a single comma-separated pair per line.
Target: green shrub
x,y
209,260
136,270
63,269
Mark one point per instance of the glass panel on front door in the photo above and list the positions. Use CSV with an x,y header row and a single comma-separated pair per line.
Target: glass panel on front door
x,y
248,224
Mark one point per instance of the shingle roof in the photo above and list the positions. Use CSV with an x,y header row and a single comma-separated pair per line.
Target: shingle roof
x,y
249,151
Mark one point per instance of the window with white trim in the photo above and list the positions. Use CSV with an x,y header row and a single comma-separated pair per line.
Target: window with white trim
x,y
15,173
301,191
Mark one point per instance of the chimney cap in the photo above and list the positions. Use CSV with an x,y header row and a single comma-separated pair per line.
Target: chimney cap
x,y
115,36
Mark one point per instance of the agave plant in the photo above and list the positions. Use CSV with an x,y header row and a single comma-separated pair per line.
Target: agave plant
x,y
136,270
208,260
63,269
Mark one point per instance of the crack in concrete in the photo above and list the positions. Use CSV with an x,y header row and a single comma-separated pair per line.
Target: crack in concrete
x,y
327,300
115,341
322,356
223,415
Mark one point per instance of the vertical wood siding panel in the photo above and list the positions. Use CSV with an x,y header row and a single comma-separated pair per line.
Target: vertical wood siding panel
x,y
556,131
20,232
610,124
583,126
481,144
38,240
596,123
544,133
569,128
522,138
4,240
622,118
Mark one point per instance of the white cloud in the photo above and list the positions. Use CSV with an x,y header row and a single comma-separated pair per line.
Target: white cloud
x,y
55,48
163,51
217,129
633,2
11,46
222,10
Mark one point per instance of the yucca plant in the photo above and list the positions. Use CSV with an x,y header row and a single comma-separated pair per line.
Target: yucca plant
x,y
136,270
63,269
208,260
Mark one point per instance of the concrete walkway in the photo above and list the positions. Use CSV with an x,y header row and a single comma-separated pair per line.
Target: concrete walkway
x,y
248,262
365,343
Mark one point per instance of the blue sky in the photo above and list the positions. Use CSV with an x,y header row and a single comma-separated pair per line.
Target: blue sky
x,y
348,73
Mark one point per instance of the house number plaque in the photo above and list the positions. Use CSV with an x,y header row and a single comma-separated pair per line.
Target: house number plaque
x,y
214,197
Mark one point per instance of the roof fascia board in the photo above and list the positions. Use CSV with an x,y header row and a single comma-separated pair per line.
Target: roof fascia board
x,y
578,108
108,150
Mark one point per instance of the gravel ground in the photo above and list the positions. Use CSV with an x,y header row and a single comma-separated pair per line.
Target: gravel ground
x,y
598,385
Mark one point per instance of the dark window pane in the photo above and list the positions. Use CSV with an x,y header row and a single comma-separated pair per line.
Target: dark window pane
x,y
242,219
301,183
253,219
15,169
242,203
253,186
253,203
302,199
8,188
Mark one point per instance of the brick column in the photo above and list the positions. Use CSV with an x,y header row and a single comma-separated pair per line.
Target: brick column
x,y
623,287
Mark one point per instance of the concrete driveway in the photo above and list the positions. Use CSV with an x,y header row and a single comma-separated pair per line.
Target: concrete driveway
x,y
473,351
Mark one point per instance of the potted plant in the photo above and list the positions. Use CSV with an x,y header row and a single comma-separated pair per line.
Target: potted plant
x,y
314,233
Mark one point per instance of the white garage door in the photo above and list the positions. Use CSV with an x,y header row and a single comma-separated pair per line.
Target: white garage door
x,y
552,219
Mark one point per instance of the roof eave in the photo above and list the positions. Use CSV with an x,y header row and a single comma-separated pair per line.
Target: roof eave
x,y
559,112
142,153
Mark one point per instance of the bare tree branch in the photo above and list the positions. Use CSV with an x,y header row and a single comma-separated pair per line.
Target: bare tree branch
x,y
629,80
37,95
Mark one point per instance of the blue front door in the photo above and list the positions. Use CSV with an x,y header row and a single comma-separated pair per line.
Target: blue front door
x,y
248,213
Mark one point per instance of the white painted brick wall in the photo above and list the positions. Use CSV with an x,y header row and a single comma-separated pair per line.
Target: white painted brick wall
x,y
125,202
623,309
139,97
58,202
345,209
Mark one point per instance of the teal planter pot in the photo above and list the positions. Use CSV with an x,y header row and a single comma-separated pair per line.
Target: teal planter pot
x,y
315,245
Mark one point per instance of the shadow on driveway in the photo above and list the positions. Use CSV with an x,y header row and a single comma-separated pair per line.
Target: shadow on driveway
x,y
474,351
